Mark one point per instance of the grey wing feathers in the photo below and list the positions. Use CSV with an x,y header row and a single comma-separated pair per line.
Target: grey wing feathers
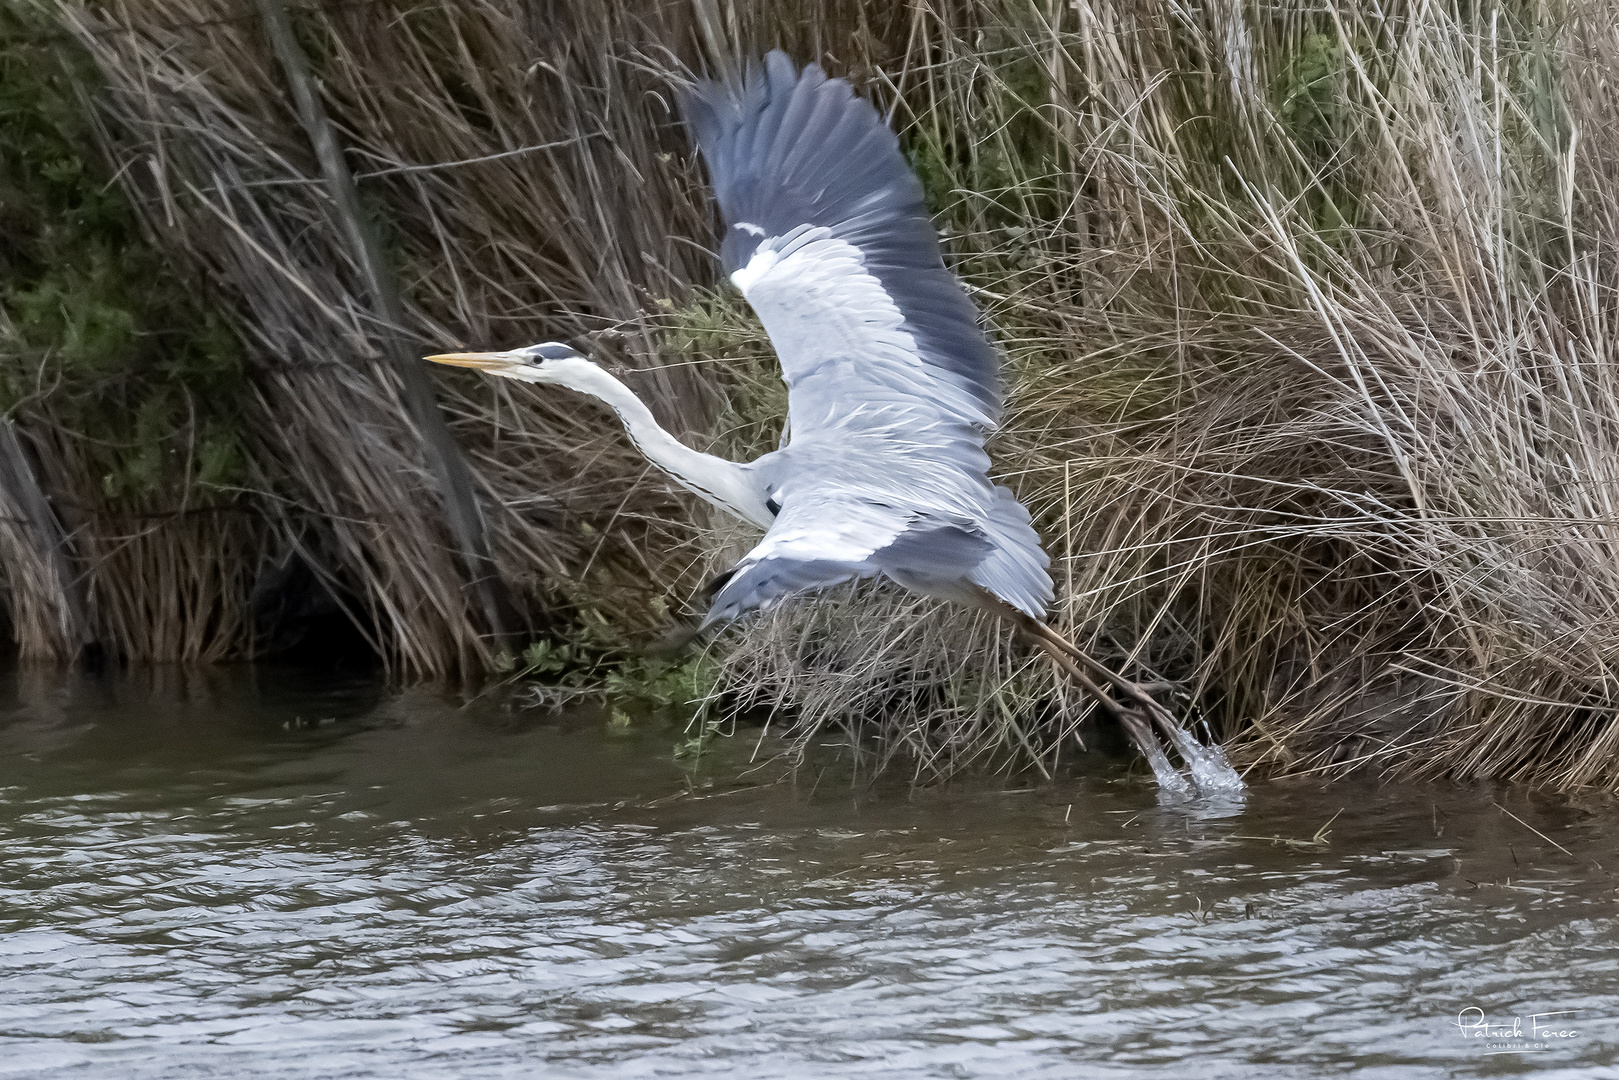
x,y
789,152
1017,569
824,538
833,536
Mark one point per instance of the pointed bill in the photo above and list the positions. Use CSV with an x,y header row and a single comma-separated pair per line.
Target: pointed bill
x,y
482,361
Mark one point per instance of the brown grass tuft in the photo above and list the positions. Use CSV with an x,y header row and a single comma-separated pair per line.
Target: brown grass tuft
x,y
1309,314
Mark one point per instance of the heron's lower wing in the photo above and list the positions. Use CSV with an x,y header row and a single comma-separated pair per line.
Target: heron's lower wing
x,y
1017,569
821,540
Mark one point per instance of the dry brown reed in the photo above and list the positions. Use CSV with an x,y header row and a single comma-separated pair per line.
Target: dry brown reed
x,y
143,580
510,223
1309,312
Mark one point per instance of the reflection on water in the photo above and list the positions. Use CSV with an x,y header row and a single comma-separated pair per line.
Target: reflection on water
x,y
233,874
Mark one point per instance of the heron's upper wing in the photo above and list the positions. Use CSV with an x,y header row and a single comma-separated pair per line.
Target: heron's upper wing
x,y
829,239
832,535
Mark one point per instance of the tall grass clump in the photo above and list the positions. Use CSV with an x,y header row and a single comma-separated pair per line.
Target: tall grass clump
x,y
120,390
1307,312
522,187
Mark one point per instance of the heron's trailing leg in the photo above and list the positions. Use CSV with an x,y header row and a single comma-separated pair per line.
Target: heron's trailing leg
x,y
1138,713
1136,719
1139,695
680,636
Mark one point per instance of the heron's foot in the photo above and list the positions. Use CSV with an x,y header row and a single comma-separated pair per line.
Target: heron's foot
x,y
675,641
1150,725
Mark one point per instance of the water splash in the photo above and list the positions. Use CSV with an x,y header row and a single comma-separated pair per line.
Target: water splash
x,y
1208,773
1171,784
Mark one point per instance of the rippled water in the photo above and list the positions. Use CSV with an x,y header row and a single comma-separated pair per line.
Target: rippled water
x,y
233,874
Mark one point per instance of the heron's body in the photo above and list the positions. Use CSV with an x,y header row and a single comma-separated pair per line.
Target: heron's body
x,y
892,385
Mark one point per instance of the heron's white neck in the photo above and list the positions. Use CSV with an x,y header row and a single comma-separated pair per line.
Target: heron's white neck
x,y
725,484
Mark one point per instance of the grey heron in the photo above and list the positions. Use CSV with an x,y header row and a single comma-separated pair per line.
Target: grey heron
x,y
892,384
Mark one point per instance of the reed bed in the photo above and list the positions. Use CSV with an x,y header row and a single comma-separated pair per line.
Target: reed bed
x,y
1308,312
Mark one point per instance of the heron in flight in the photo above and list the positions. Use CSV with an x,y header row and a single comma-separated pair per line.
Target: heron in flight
x,y
892,384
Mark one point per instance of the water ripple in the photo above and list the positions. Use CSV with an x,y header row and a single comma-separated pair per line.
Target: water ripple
x,y
339,907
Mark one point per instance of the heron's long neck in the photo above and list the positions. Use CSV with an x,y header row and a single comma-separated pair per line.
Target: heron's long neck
x,y
723,483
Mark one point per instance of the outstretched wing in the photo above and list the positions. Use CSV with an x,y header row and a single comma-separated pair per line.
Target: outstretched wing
x,y
829,239
892,385
831,536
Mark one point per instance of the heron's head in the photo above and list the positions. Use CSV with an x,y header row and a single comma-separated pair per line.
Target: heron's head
x,y
547,362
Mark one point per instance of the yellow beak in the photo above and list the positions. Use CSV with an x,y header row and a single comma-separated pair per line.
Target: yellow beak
x,y
483,361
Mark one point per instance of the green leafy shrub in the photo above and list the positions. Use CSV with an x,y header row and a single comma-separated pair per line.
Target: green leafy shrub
x,y
100,335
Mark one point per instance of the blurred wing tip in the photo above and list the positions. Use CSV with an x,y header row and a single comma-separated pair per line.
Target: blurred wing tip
x,y
752,86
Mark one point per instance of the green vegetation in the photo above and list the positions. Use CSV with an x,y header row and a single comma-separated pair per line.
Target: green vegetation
x,y
102,336
719,333
596,660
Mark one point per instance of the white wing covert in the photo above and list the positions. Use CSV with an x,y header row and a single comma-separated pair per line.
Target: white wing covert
x,y
827,537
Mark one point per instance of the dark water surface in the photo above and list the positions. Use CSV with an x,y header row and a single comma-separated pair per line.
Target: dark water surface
x,y
243,873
